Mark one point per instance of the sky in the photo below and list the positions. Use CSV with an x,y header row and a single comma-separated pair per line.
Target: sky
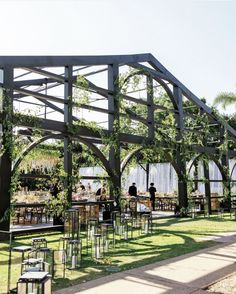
x,y
194,39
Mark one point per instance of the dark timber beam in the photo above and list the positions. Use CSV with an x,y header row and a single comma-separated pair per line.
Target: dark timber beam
x,y
180,160
150,108
48,61
7,141
207,186
68,92
113,127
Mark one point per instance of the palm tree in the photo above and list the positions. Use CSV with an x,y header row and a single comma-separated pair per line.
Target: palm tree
x,y
225,99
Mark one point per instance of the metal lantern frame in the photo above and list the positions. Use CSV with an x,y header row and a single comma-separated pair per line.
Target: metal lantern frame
x,y
97,248
72,224
34,283
74,254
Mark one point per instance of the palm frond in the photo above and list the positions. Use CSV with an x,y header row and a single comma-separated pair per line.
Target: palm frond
x,y
225,99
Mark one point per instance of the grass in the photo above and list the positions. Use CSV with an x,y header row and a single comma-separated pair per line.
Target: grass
x,y
171,237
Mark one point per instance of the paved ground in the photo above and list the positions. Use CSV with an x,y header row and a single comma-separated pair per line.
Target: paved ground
x,y
185,274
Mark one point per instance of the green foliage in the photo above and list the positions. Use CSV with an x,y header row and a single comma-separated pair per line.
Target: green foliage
x,y
56,206
225,99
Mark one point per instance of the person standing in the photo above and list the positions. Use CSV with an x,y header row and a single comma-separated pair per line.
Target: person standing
x,y
152,190
133,190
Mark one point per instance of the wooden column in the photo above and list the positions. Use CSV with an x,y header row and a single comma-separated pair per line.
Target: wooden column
x,y
180,160
6,148
207,186
113,128
68,87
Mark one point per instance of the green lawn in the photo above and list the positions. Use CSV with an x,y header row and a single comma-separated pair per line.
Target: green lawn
x,y
171,237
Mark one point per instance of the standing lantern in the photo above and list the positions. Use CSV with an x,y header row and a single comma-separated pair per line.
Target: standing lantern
x,y
146,223
73,254
39,242
34,283
72,224
97,247
108,236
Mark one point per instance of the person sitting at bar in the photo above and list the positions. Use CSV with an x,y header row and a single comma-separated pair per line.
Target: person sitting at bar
x,y
133,190
102,192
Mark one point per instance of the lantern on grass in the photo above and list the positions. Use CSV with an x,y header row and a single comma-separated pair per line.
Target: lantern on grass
x,y
97,247
146,223
32,264
108,235
22,250
34,283
115,215
92,226
72,224
39,242
73,254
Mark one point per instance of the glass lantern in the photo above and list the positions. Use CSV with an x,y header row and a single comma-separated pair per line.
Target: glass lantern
x,y
97,247
72,224
39,242
146,223
73,254
34,283
108,237
92,226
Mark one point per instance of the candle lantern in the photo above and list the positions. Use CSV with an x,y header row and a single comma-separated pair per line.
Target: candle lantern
x,y
39,242
72,224
92,226
108,236
42,256
33,264
115,215
73,255
22,250
59,263
97,248
34,283
146,223
63,243
126,228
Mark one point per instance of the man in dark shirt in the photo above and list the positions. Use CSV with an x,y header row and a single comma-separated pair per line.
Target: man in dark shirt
x,y
152,190
133,190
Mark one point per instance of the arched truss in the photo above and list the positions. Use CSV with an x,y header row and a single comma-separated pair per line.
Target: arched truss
x,y
231,174
214,159
95,150
135,152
